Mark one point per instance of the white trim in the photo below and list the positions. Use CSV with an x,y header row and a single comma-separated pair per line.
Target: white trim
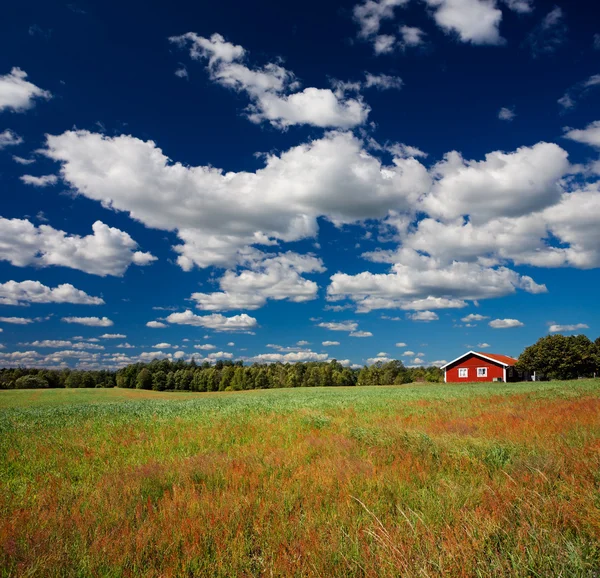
x,y
464,370
484,374
504,370
479,355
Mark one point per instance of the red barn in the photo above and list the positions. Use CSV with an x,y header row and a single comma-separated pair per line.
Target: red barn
x,y
477,366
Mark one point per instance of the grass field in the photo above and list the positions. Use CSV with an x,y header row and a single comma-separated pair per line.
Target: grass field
x,y
418,480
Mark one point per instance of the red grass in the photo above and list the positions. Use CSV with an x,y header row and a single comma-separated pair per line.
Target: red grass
x,y
497,487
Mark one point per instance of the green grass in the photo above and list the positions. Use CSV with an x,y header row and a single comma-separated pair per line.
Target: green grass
x,y
374,398
416,480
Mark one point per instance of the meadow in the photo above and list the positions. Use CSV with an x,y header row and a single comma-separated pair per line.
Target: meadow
x,y
417,480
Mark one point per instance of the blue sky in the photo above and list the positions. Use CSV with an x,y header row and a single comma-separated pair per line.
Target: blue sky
x,y
273,181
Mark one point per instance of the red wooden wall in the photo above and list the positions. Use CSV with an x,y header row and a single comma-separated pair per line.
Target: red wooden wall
x,y
472,362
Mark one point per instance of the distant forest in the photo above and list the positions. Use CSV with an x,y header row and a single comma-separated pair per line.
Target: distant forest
x,y
554,356
167,375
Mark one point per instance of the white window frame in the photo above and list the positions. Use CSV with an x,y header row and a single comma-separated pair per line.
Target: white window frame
x,y
463,372
482,369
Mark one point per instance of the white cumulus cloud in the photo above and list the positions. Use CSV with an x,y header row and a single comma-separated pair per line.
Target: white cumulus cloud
x,y
273,90
460,226
520,6
83,345
411,36
276,277
25,292
108,251
339,326
17,93
505,323
590,135
504,184
384,43
43,181
23,161
378,359
17,320
293,357
506,113
474,21
474,317
220,215
371,13
555,328
216,321
382,81
418,281
9,138
423,316
89,321
50,343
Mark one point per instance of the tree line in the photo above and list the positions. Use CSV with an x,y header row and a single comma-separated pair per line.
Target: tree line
x,y
162,375
33,378
553,357
562,357
167,375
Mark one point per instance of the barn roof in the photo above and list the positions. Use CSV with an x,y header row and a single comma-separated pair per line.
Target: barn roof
x,y
501,358
495,357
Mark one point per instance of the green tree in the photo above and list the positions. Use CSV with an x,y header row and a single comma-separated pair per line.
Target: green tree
x,y
313,376
418,374
364,376
560,357
199,380
262,379
344,377
187,379
238,381
226,376
159,380
144,379
326,371
434,375
52,378
212,379
390,372
294,376
87,379
376,371
183,380
74,380
122,380
126,377
31,382
171,380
